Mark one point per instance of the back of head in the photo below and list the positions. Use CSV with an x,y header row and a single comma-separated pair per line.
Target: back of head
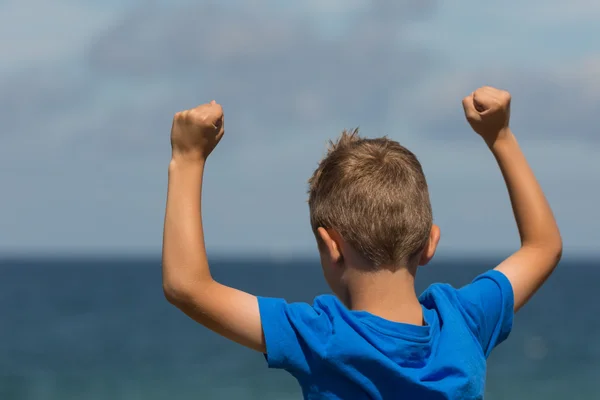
x,y
373,193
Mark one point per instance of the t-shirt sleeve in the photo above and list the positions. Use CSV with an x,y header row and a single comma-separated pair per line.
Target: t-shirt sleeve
x,y
295,334
488,302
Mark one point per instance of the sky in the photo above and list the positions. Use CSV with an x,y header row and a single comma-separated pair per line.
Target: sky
x,y
88,91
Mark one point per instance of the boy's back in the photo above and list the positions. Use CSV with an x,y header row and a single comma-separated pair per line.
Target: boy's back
x,y
336,353
371,215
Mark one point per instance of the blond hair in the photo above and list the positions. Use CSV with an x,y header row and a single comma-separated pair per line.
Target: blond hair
x,y
374,194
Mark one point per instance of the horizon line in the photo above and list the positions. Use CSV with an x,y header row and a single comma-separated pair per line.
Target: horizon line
x,y
250,256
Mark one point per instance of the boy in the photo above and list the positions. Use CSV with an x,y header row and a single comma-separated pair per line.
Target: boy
x,y
371,215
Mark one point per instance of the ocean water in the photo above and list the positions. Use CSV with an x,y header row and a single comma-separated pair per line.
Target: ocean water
x,y
100,328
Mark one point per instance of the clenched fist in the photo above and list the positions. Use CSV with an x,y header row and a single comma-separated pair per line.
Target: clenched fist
x,y
196,132
488,112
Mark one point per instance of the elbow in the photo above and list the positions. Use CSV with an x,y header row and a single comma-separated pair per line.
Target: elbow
x,y
173,294
182,288
558,250
176,292
555,247
550,249
184,295
556,254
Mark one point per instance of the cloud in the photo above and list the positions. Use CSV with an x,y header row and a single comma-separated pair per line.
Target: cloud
x,y
272,67
276,66
524,16
38,31
276,70
557,104
86,114
560,12
37,105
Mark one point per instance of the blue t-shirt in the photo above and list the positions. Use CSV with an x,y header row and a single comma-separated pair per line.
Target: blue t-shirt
x,y
335,353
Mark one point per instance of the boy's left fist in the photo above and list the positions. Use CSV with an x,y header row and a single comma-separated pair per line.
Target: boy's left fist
x,y
196,132
488,112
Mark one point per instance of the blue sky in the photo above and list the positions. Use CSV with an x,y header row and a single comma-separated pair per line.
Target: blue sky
x,y
88,89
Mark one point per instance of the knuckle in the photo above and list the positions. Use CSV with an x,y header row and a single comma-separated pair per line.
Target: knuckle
x,y
200,120
504,97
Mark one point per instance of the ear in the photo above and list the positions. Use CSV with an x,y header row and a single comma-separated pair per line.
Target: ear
x,y
330,245
431,246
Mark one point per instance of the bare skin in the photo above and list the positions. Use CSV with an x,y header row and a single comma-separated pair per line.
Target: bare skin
x,y
388,293
488,112
189,285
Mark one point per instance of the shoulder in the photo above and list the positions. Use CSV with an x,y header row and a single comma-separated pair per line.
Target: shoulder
x,y
308,320
438,294
490,280
295,331
488,294
321,305
484,306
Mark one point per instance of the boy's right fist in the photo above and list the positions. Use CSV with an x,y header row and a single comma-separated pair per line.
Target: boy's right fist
x,y
196,132
488,112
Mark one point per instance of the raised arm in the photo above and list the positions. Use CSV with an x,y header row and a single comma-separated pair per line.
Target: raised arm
x,y
488,112
187,281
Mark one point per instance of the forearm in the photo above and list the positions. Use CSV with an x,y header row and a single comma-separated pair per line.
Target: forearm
x,y
541,246
535,220
184,260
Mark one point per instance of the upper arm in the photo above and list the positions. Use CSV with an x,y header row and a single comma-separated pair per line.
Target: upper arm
x,y
288,334
488,303
527,270
229,312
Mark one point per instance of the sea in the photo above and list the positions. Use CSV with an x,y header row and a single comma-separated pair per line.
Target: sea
x,y
95,328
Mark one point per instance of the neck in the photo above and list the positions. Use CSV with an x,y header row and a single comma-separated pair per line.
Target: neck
x,y
385,293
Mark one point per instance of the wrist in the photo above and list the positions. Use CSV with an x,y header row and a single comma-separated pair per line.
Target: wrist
x,y
504,139
181,163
